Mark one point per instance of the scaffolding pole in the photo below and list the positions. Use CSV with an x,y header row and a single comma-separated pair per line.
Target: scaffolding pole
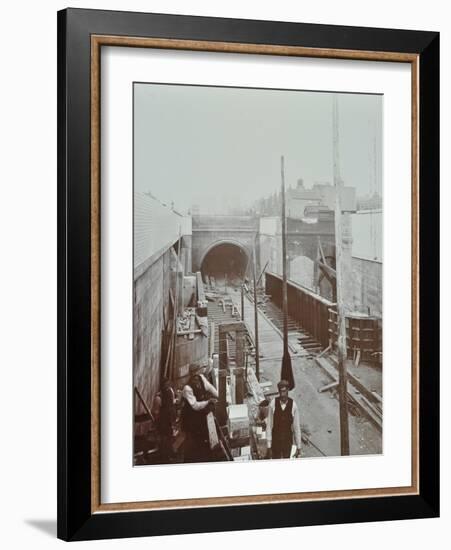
x,y
340,274
287,369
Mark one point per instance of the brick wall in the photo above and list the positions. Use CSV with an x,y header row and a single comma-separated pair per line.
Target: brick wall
x,y
151,299
368,284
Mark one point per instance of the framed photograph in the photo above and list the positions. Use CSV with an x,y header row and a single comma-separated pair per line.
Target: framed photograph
x,y
248,274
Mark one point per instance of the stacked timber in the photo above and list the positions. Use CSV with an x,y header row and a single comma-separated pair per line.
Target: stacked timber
x,y
191,345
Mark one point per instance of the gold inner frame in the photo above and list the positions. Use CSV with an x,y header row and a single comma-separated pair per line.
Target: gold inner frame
x,y
97,41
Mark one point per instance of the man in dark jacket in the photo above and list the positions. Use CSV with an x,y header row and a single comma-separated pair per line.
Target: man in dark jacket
x,y
199,398
283,425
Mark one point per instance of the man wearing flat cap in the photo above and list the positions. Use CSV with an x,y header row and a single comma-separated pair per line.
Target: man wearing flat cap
x,y
199,398
283,425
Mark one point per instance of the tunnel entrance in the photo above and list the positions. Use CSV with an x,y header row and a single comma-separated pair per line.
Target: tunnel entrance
x,y
225,260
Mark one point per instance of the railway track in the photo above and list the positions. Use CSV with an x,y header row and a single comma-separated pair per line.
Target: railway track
x,y
275,316
217,314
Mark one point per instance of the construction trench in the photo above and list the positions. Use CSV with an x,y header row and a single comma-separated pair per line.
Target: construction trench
x,y
215,327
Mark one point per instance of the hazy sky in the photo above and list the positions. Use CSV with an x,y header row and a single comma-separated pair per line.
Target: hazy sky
x,y
215,146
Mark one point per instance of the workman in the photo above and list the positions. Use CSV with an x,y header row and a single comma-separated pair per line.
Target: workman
x,y
283,425
199,398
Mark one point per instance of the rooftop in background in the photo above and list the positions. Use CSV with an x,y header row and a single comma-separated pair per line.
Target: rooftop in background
x,y
370,202
322,194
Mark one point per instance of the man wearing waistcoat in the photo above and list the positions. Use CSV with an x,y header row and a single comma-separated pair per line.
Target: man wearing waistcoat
x,y
199,397
283,425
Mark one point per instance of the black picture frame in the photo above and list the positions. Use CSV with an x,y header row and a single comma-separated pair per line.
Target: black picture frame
x,y
76,520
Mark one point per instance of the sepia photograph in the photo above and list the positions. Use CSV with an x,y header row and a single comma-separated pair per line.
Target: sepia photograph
x,y
248,264
257,274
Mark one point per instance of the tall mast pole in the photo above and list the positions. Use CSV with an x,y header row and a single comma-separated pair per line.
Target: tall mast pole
x,y
341,319
287,371
257,347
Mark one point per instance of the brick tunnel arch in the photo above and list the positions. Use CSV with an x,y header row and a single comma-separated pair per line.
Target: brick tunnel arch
x,y
225,257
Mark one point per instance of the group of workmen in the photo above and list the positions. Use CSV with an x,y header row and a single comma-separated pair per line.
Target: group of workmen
x,y
199,397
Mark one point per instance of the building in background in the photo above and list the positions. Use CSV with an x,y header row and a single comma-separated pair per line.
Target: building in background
x,y
302,201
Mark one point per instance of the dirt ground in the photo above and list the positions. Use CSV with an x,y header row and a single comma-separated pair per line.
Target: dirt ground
x,y
319,411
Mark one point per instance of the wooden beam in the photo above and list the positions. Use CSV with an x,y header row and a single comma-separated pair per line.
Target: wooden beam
x,y
232,326
257,347
328,387
211,339
192,324
200,287
328,270
212,432
184,332
254,387
321,250
222,378
239,385
144,404
341,270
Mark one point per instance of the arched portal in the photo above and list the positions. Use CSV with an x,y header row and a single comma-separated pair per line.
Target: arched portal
x,y
225,259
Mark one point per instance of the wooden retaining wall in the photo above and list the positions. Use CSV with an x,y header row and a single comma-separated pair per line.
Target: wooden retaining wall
x,y
310,310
